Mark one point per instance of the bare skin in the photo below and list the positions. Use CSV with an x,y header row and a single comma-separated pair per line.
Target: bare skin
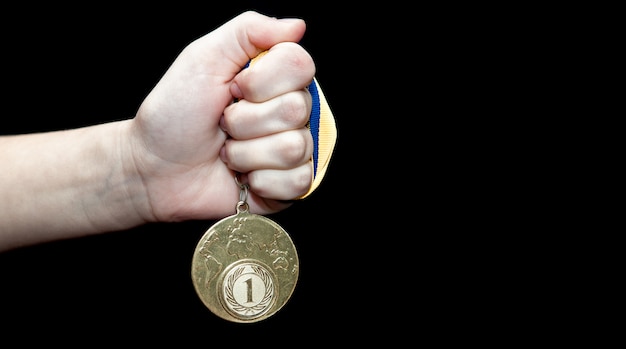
x,y
177,158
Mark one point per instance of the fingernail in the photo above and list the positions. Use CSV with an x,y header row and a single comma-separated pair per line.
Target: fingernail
x,y
223,124
223,154
235,90
287,20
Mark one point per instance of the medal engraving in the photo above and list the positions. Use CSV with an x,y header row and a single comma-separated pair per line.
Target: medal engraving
x,y
245,268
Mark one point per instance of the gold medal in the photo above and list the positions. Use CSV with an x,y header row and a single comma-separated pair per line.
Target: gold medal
x,y
245,267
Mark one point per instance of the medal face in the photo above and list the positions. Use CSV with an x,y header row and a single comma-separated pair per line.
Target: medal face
x,y
245,268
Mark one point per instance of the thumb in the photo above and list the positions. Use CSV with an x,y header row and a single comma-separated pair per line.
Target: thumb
x,y
248,34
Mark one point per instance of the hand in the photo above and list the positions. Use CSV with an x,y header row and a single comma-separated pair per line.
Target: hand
x,y
189,139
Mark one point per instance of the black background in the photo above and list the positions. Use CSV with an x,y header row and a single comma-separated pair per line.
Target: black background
x,y
413,236
77,66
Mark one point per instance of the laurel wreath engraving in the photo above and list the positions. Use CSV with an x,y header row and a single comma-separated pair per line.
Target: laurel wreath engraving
x,y
267,297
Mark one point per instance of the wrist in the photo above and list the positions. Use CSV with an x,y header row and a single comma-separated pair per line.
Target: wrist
x,y
129,159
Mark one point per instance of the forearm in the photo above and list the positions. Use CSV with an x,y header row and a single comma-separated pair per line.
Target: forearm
x,y
67,184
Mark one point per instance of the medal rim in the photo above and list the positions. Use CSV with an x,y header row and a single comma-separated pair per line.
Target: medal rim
x,y
278,302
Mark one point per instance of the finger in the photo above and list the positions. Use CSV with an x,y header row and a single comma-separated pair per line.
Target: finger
x,y
246,120
280,184
285,67
279,151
